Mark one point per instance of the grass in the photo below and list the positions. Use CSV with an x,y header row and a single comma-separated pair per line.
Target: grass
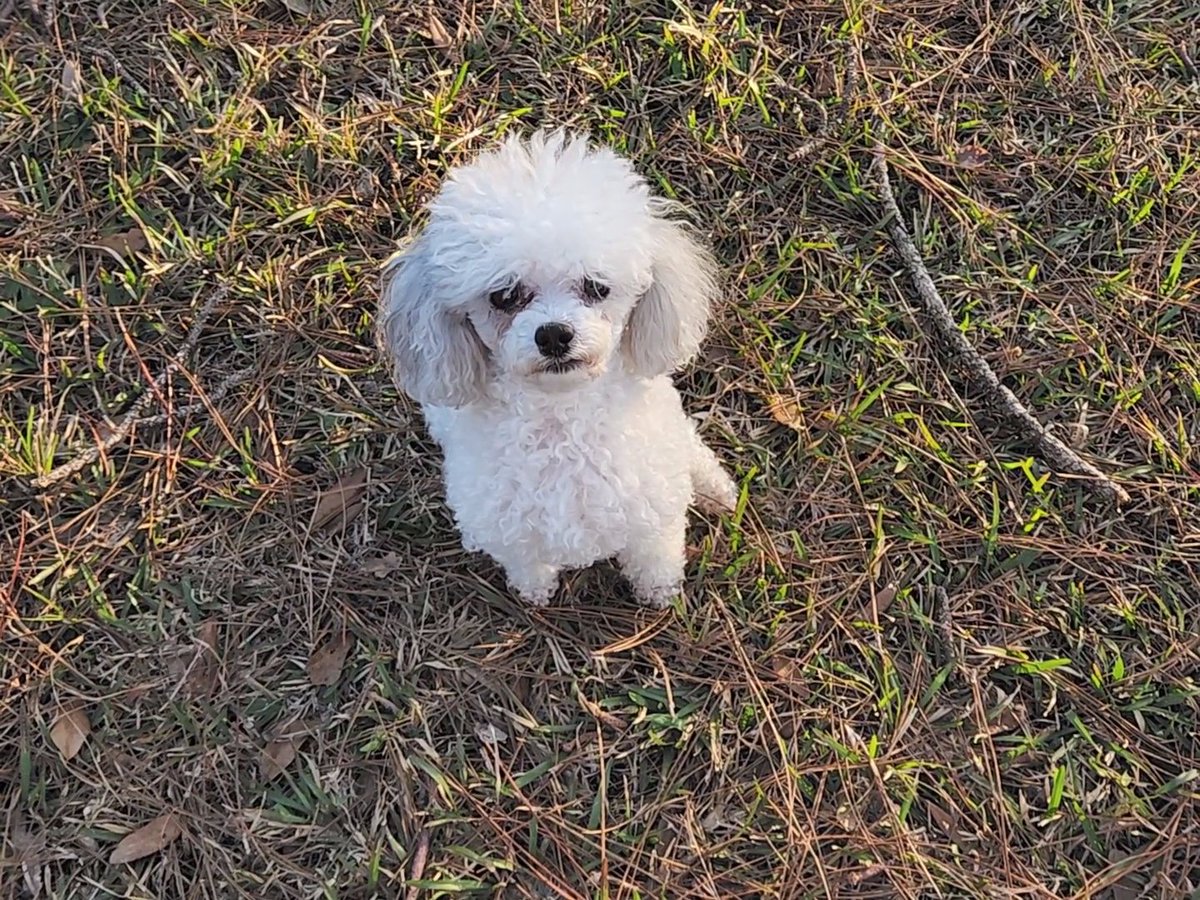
x,y
915,664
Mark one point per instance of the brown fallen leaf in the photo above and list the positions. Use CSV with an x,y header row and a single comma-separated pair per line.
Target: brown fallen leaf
x,y
490,734
973,156
786,411
72,84
867,872
1008,714
883,598
600,714
277,755
281,750
202,676
383,566
150,838
790,674
124,243
945,820
70,730
342,502
325,665
437,31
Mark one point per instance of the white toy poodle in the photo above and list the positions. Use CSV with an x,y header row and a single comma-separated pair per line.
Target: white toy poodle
x,y
537,319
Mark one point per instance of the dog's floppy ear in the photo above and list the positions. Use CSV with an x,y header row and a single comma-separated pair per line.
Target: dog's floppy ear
x,y
437,358
669,321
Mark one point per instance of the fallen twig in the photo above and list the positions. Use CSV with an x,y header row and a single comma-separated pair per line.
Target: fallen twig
x,y
224,386
979,374
417,869
135,415
828,125
947,650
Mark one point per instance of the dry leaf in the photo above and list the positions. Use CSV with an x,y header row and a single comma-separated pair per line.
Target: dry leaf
x,y
721,818
866,873
437,31
1007,715
277,755
883,598
972,157
600,714
847,818
1076,434
299,7
125,243
943,819
72,84
786,411
208,635
342,502
148,839
281,750
202,677
325,665
70,730
383,566
490,734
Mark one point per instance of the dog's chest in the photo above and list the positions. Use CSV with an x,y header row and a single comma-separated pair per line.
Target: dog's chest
x,y
570,487
568,478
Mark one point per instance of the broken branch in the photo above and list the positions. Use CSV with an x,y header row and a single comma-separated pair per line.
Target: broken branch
x,y
979,374
135,416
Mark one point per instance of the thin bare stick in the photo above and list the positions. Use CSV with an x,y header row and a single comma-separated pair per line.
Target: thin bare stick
x,y
979,374
417,869
829,124
224,386
135,415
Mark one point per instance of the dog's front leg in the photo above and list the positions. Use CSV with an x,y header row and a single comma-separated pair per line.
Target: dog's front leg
x,y
533,582
653,562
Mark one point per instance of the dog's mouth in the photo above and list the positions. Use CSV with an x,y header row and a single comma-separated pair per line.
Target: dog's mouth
x,y
561,366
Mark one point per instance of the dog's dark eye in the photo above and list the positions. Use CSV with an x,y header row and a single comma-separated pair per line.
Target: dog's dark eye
x,y
594,291
508,299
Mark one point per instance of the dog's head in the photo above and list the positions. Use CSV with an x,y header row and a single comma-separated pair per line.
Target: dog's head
x,y
546,261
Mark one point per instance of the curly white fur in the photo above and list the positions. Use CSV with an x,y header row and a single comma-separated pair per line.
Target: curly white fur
x,y
537,319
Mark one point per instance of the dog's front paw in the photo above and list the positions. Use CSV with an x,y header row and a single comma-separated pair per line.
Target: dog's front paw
x,y
718,499
715,492
659,597
535,585
540,598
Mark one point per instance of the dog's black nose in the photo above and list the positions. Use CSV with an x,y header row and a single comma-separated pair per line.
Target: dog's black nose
x,y
554,339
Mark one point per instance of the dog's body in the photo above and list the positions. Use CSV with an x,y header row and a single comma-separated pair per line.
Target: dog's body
x,y
542,484
537,319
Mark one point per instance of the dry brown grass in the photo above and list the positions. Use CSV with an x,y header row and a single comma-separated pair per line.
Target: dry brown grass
x,y
917,665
